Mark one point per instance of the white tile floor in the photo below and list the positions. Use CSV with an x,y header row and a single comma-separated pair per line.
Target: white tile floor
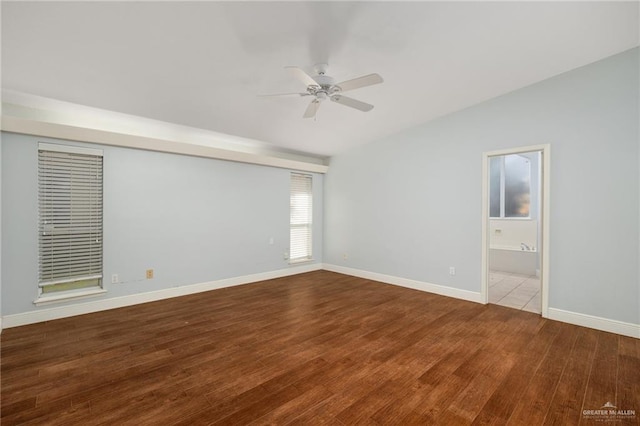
x,y
515,291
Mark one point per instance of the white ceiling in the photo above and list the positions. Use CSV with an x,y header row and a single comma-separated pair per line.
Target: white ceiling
x,y
202,64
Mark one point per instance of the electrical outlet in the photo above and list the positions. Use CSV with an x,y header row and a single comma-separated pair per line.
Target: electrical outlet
x,y
452,270
114,279
345,256
286,255
149,274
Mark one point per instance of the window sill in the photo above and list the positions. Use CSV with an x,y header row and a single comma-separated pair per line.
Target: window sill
x,y
511,218
299,261
65,297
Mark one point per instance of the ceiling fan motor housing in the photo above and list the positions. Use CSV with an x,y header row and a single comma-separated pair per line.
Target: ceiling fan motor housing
x,y
324,81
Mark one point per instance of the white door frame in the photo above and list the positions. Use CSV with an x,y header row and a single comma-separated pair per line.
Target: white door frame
x,y
544,262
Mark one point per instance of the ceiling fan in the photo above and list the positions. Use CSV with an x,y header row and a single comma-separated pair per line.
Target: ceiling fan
x,y
323,87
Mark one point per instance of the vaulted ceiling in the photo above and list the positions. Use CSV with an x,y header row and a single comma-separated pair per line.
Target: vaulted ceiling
x,y
203,64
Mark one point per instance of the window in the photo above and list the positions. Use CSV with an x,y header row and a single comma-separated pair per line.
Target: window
x,y
300,218
70,219
509,186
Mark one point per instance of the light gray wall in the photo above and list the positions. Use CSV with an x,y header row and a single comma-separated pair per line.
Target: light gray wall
x,y
410,205
0,230
192,220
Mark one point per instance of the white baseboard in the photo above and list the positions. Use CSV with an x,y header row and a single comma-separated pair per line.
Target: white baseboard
x,y
48,314
598,323
471,296
40,315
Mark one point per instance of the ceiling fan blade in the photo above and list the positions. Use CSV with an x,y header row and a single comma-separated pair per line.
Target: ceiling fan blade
x,y
312,109
302,76
284,95
353,103
359,82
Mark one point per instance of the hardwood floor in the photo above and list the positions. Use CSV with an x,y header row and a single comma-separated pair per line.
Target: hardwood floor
x,y
312,349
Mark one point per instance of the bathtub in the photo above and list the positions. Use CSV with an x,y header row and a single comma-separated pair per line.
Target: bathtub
x,y
513,259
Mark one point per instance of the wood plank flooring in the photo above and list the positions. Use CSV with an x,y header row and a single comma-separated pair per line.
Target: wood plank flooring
x,y
316,348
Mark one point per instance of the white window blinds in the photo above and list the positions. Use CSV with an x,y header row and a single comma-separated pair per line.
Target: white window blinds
x,y
70,223
301,217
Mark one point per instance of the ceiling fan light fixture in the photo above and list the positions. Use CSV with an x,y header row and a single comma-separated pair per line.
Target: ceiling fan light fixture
x,y
324,87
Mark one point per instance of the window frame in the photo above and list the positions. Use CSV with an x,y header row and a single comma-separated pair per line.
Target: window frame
x,y
296,185
56,201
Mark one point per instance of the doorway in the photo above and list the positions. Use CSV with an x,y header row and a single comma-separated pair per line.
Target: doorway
x,y
515,240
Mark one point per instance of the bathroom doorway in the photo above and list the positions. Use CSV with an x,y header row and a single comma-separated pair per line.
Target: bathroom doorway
x,y
515,224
